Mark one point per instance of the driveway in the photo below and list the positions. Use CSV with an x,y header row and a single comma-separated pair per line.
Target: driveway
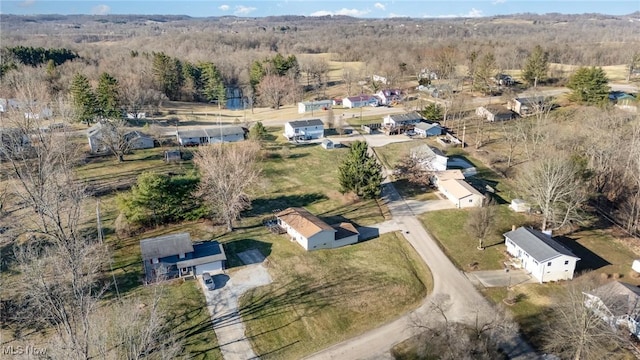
x,y
223,307
420,207
500,278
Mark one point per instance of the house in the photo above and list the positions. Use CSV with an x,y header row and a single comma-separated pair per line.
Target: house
x,y
432,159
618,304
98,133
31,110
172,156
380,79
519,205
359,101
307,106
495,113
139,115
625,101
304,129
460,193
389,96
428,129
13,141
312,233
503,80
210,135
455,174
528,105
327,144
394,120
175,256
540,255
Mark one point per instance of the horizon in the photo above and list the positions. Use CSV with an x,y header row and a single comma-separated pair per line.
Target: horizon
x,y
358,9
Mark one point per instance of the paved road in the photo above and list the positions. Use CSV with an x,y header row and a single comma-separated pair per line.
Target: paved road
x,y
465,301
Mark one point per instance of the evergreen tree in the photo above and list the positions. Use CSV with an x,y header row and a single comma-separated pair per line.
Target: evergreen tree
x,y
484,73
432,112
536,68
360,172
168,75
589,85
107,97
84,100
258,131
211,81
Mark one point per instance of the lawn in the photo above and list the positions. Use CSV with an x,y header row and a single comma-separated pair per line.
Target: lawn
x,y
448,228
323,297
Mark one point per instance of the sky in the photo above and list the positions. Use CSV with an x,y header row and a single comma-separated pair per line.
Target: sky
x,y
355,8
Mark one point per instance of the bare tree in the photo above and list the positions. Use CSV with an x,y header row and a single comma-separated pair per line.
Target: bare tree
x,y
275,90
575,328
413,169
512,139
481,222
115,136
330,121
227,172
554,184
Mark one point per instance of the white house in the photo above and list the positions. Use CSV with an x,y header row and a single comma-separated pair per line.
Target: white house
x,y
454,174
328,144
618,304
304,129
173,256
539,254
312,233
307,106
102,130
495,113
432,159
210,135
528,105
359,101
389,95
460,193
427,129
31,110
138,140
379,78
394,120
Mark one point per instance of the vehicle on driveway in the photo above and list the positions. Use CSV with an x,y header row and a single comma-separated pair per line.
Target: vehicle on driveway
x,y
208,281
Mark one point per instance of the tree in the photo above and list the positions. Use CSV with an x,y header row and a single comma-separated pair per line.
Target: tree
x,y
555,185
483,75
158,199
84,100
573,330
168,75
589,86
432,112
107,97
116,137
480,223
330,121
360,172
212,83
274,91
536,67
634,65
227,172
411,168
258,131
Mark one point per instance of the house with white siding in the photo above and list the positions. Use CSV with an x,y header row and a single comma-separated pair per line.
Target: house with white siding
x,y
461,193
388,96
432,159
394,120
495,113
304,129
359,101
307,106
210,135
312,233
540,255
424,129
618,304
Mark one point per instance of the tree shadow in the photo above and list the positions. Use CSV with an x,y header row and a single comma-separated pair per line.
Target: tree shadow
x,y
233,248
588,259
264,206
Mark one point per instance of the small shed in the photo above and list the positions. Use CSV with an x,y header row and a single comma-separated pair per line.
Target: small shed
x,y
327,144
172,155
519,205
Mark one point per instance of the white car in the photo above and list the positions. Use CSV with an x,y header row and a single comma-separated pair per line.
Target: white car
x,y
208,281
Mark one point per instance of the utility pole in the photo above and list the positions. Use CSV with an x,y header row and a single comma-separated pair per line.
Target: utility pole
x,y
464,130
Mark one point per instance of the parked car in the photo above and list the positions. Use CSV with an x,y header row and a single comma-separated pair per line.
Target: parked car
x,y
208,281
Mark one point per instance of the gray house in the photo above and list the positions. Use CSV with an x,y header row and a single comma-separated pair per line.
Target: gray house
x,y
98,133
618,304
402,119
210,135
529,105
175,256
427,129
495,113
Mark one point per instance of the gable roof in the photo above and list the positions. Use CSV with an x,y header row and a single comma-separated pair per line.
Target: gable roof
x,y
302,221
427,126
498,110
344,230
211,132
361,98
317,102
532,100
458,188
167,245
454,174
425,151
412,116
304,123
204,253
620,298
537,244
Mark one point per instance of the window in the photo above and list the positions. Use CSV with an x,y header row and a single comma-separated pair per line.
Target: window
x,y
154,261
470,200
566,262
181,256
549,263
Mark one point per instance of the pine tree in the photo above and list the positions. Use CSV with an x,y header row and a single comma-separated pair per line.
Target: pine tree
x,y
84,100
258,131
589,85
107,97
537,66
168,75
360,172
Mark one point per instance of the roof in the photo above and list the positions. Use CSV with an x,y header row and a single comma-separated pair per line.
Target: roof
x,y
135,134
427,126
327,141
317,102
498,110
167,245
620,298
537,244
458,188
304,123
303,221
425,151
412,116
361,98
211,132
345,230
204,253
449,175
531,100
